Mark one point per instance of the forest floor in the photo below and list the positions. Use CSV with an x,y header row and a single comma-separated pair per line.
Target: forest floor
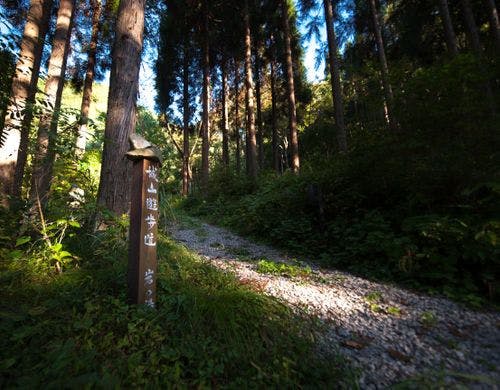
x,y
392,335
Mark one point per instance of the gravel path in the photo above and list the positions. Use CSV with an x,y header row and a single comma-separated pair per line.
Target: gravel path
x,y
391,334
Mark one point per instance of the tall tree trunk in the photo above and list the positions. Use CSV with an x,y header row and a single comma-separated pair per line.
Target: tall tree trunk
x,y
274,125
237,114
205,133
292,111
494,22
473,35
89,79
45,153
335,77
13,152
47,128
225,120
251,141
449,32
185,122
388,95
114,186
260,131
472,31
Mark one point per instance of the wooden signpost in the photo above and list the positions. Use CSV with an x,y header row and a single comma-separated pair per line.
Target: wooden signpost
x,y
143,232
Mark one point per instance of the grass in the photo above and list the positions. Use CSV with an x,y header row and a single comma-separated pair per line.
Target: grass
x,y
74,329
270,267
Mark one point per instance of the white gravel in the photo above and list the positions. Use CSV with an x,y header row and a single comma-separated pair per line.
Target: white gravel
x,y
389,333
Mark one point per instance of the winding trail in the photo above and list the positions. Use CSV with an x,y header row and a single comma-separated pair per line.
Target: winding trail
x,y
389,333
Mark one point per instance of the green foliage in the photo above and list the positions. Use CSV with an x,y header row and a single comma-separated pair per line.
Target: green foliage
x,y
395,207
428,319
75,329
282,269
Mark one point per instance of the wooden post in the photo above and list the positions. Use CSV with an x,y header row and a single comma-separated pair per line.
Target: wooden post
x,y
143,236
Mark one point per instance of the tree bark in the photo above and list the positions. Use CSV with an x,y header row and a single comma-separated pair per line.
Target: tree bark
x,y
449,32
250,123
494,22
260,130
205,134
475,43
185,121
387,87
292,111
237,114
225,120
47,129
89,79
274,126
114,186
470,22
338,105
13,152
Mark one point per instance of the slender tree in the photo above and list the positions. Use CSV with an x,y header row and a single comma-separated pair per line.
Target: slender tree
x,y
43,161
205,98
292,111
237,114
249,98
449,32
494,22
471,25
386,84
13,151
335,77
274,125
114,191
89,78
258,99
186,170
225,115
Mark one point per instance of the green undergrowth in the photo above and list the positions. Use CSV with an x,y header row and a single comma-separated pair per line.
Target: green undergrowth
x,y
289,270
74,329
392,209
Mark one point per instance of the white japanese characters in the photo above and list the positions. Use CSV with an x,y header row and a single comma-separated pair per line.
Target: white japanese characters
x,y
149,233
148,277
151,189
149,239
150,221
152,172
152,204
148,281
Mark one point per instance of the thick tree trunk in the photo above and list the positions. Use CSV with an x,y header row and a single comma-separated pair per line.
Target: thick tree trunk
x,y
89,79
292,111
449,32
274,125
494,22
251,141
388,95
47,129
237,114
335,77
185,122
225,119
114,186
205,134
260,130
13,153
